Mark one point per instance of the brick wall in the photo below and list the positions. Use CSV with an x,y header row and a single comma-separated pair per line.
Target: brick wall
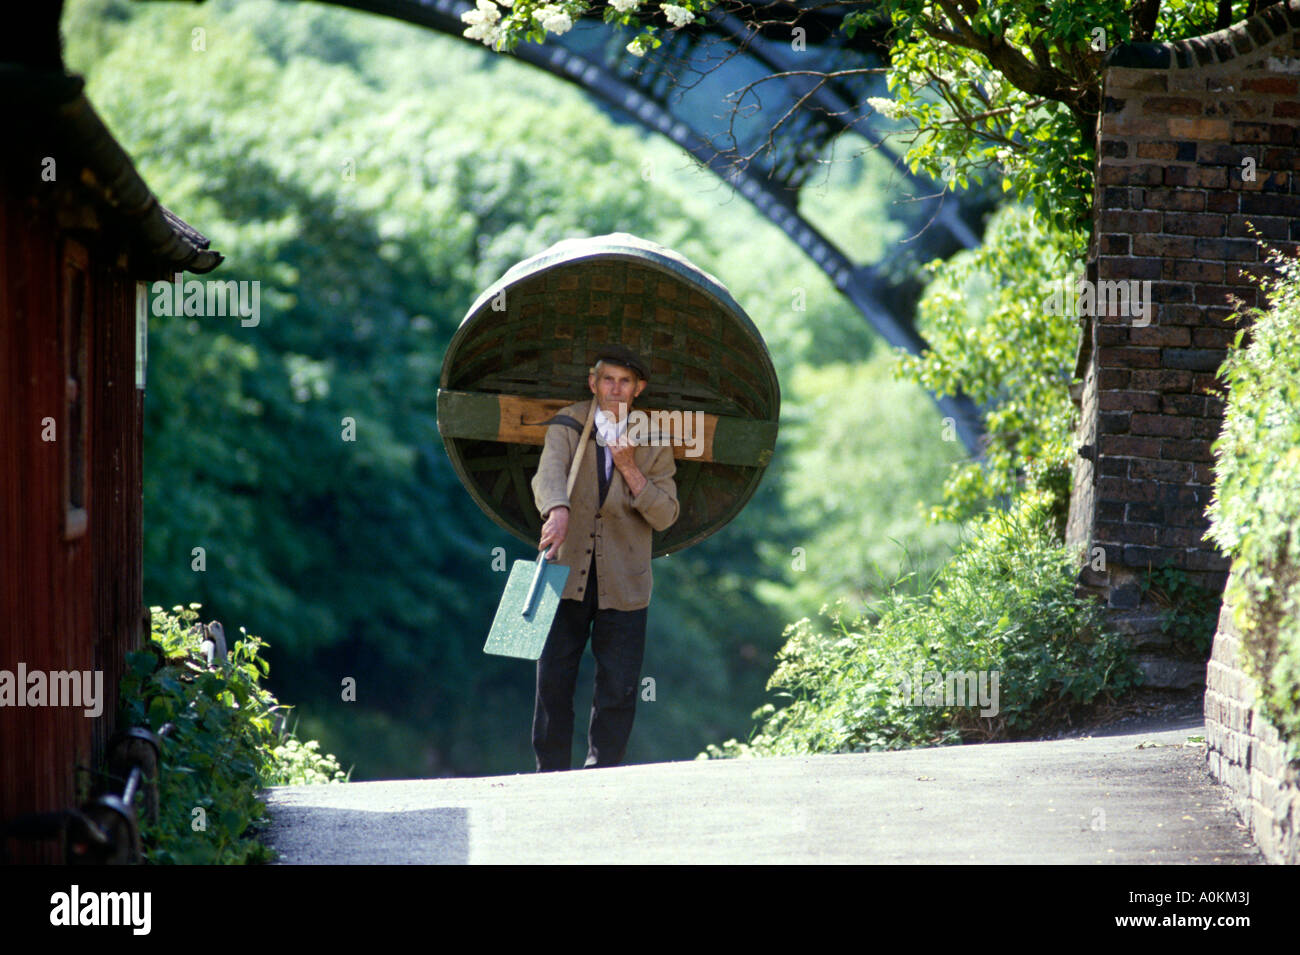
x,y
1199,144
1245,754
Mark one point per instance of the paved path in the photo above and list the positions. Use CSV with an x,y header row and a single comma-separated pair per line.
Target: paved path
x,y
1137,798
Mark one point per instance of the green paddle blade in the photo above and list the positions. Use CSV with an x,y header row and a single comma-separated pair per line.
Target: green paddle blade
x,y
519,634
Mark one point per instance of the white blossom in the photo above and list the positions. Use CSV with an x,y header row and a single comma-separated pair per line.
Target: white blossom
x,y
885,106
624,6
485,11
677,16
553,19
482,22
490,35
639,46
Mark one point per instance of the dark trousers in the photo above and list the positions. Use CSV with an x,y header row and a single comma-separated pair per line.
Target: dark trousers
x,y
618,644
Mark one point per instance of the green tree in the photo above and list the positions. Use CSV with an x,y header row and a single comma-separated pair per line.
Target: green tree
x,y
992,334
306,144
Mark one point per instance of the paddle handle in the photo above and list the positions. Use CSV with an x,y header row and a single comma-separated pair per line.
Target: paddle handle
x,y
582,446
568,492
535,587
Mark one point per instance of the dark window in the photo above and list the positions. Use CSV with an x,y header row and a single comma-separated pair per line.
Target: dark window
x,y
76,326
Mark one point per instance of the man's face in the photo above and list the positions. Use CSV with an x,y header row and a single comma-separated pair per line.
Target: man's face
x,y
615,388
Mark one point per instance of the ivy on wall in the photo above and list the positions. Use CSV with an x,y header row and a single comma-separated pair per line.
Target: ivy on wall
x,y
1256,505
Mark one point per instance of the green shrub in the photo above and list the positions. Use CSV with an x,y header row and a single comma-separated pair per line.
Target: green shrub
x,y
990,334
1256,506
1004,604
1191,611
223,748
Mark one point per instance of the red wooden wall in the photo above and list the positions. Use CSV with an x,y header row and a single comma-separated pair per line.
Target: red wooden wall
x,y
65,604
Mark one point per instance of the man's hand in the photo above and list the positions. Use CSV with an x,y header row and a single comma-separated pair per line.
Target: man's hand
x,y
626,464
554,531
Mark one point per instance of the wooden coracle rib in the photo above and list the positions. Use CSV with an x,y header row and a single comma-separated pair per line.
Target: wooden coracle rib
x,y
523,350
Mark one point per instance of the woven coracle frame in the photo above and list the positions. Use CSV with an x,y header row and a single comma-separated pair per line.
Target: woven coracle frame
x,y
537,331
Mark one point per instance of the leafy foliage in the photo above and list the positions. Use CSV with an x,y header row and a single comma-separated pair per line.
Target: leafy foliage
x,y
1191,611
991,334
864,457
1010,90
967,121
1005,89
1005,603
1256,505
374,187
222,748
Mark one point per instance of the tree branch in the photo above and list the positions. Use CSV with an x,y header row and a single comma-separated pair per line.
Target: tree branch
x,y
1223,15
1004,57
1147,15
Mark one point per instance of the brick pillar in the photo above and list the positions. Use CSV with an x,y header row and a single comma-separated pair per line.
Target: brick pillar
x,y
1199,142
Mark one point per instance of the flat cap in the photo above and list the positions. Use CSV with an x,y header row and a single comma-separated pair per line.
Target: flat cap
x,y
622,355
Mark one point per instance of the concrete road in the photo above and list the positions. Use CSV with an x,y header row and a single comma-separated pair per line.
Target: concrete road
x,y
1137,798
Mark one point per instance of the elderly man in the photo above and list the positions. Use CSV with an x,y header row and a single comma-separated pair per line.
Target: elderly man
x,y
603,534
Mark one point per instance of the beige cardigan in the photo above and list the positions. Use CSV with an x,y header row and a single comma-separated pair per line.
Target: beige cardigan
x,y
620,534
